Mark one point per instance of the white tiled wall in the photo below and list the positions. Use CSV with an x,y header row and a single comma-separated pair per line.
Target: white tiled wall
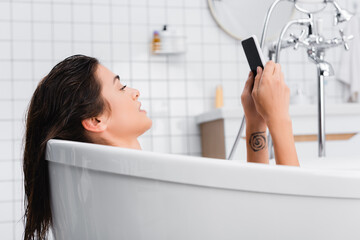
x,y
36,34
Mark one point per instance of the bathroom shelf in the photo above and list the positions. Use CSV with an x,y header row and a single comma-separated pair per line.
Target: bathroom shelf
x,y
176,46
168,52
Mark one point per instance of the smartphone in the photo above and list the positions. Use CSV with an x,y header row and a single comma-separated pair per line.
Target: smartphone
x,y
253,53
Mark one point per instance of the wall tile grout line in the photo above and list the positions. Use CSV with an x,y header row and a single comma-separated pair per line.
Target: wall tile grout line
x,y
187,117
72,23
168,81
149,75
12,117
111,34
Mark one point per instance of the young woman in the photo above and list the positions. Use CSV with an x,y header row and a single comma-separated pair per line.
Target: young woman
x,y
82,100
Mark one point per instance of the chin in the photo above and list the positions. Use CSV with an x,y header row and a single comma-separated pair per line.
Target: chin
x,y
149,122
146,125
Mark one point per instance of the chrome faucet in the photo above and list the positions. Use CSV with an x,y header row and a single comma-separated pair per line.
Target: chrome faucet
x,y
312,40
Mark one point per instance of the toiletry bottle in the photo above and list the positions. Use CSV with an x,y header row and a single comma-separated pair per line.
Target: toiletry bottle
x,y
166,40
156,42
219,102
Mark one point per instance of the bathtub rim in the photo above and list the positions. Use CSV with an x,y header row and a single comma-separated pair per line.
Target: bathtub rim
x,y
216,173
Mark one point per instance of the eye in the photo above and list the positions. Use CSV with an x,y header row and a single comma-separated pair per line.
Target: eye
x,y
123,88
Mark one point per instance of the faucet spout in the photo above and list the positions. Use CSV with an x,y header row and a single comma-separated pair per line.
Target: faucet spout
x,y
324,67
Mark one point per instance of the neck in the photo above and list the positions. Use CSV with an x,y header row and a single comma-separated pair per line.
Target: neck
x,y
127,143
106,139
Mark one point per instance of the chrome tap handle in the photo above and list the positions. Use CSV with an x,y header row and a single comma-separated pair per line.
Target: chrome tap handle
x,y
295,40
345,39
298,40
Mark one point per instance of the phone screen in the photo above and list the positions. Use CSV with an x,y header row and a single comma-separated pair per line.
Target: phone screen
x,y
252,54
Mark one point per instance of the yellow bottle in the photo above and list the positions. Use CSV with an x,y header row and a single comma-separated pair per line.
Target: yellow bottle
x,y
219,101
156,42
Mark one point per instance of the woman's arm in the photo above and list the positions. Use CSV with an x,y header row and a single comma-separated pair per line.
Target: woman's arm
x,y
256,140
256,143
283,140
271,97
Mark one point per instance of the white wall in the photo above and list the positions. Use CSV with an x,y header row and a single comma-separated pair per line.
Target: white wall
x,y
36,34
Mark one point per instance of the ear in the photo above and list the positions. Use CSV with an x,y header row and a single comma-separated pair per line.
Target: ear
x,y
94,124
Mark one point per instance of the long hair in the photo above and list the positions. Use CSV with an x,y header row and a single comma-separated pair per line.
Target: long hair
x,y
69,94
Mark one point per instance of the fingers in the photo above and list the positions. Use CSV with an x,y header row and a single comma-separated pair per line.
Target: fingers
x,y
269,68
273,70
277,70
250,81
248,86
258,77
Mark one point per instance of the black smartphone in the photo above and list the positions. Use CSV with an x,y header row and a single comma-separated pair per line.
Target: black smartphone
x,y
253,53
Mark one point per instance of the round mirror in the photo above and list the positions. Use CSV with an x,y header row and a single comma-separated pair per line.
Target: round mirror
x,y
242,19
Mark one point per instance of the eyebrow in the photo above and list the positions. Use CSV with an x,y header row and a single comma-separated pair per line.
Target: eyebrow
x,y
116,78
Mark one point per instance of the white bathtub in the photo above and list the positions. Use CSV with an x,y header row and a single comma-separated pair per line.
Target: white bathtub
x,y
103,192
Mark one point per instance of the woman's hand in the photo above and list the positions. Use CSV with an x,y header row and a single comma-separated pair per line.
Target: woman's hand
x,y
271,95
251,114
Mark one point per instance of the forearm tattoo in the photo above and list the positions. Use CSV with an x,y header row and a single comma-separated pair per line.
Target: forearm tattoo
x,y
257,141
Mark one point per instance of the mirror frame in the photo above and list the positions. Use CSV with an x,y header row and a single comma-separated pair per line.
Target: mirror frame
x,y
212,11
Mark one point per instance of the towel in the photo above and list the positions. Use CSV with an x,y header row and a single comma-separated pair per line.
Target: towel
x,y
349,66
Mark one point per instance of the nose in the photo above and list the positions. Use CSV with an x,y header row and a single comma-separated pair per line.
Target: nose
x,y
135,94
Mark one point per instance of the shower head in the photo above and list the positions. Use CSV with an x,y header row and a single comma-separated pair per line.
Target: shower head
x,y
341,15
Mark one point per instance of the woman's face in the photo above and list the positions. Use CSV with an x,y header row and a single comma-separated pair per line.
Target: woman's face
x,y
125,119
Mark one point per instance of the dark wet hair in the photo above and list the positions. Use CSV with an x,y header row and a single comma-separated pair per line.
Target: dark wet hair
x,y
69,94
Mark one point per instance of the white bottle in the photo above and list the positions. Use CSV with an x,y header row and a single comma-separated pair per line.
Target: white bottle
x,y
166,40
